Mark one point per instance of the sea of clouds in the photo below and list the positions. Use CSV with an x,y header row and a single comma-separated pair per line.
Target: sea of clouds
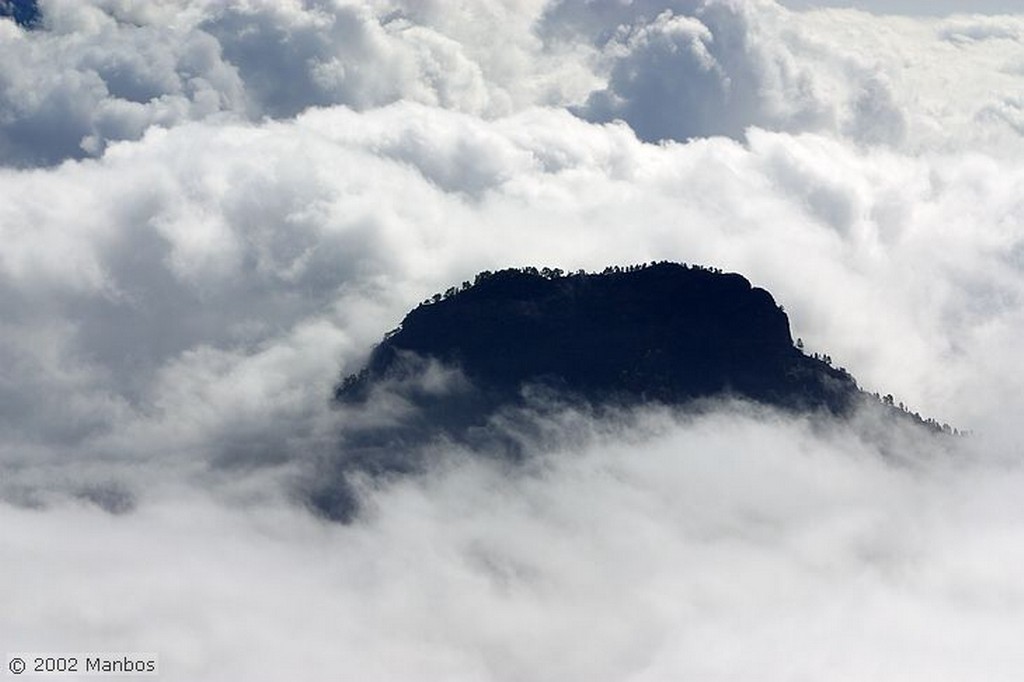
x,y
210,211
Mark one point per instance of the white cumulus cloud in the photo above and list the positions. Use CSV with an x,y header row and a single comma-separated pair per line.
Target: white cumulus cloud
x,y
210,211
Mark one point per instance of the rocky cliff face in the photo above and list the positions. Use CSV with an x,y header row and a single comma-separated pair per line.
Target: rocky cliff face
x,y
665,332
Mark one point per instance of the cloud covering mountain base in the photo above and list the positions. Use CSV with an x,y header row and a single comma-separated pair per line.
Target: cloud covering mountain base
x,y
723,547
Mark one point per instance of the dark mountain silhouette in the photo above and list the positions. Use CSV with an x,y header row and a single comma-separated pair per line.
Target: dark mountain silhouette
x,y
662,333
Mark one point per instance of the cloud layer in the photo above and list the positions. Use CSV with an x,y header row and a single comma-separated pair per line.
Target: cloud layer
x,y
91,73
723,548
210,211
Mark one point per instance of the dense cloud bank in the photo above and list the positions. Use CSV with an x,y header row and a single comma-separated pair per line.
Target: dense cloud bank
x,y
210,211
91,73
727,547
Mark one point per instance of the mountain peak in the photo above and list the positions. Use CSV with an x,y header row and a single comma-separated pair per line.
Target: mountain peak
x,y
663,332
